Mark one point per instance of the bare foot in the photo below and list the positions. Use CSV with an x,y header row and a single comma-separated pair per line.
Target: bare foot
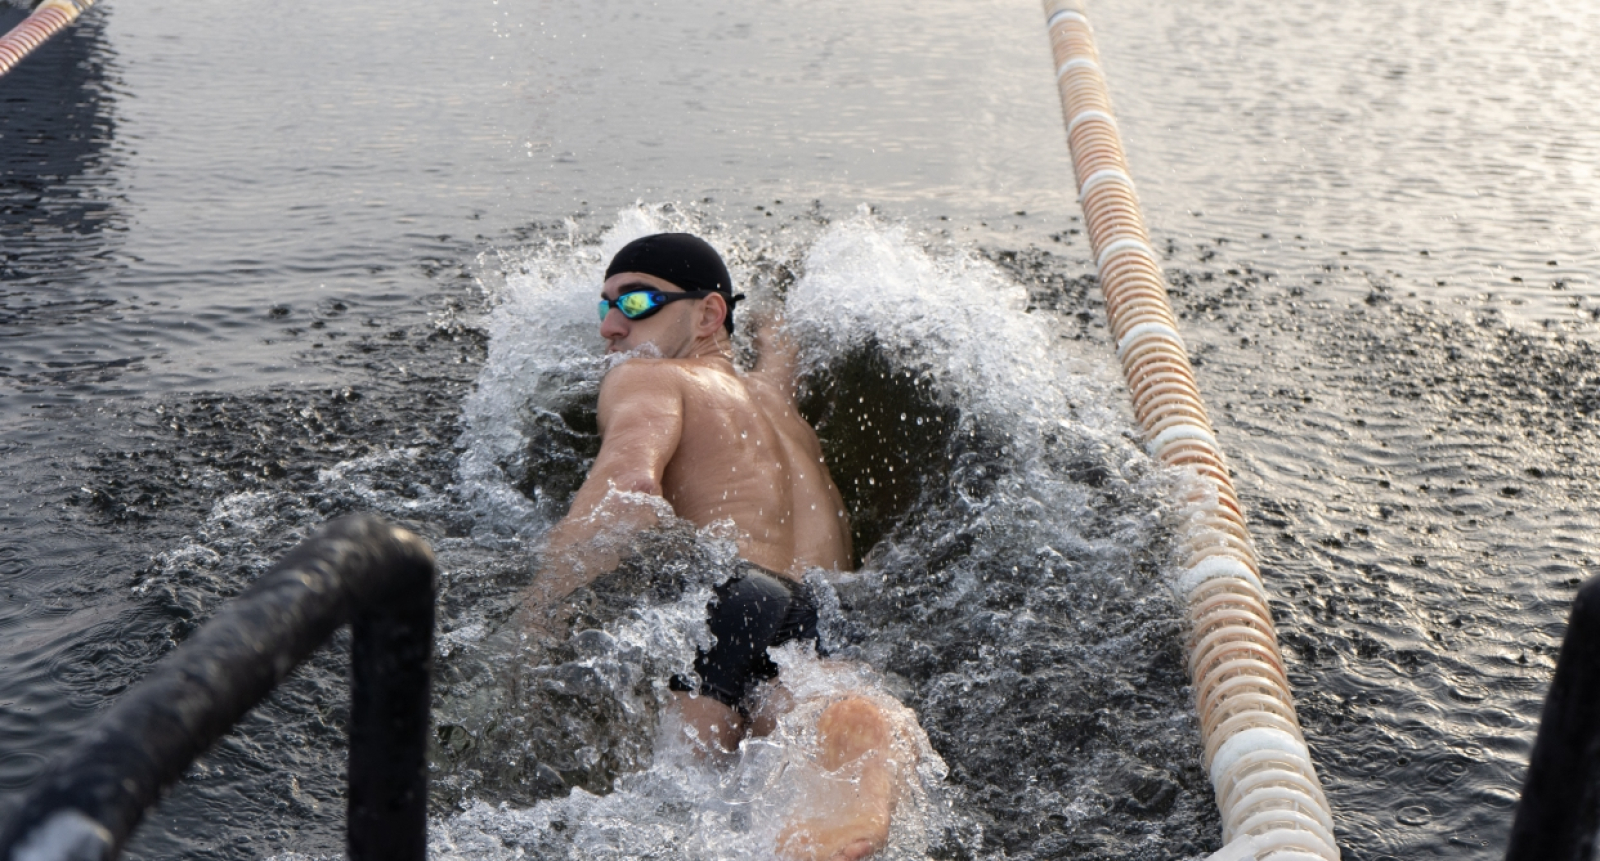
x,y
852,733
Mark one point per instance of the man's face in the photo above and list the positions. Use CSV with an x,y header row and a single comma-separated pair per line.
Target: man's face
x,y
670,329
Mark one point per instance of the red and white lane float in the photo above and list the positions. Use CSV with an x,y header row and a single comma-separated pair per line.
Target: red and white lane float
x,y
1271,800
47,19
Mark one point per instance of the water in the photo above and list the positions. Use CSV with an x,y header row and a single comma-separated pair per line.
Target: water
x,y
251,282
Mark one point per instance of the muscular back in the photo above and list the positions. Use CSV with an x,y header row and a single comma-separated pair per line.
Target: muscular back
x,y
722,446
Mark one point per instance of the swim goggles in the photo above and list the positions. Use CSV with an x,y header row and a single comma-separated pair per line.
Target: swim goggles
x,y
639,304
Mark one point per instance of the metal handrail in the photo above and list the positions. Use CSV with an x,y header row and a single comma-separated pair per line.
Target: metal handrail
x,y
1560,808
360,570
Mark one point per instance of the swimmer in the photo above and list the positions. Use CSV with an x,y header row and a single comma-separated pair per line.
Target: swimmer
x,y
680,428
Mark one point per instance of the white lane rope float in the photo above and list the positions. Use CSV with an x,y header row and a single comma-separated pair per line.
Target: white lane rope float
x,y
1267,789
47,19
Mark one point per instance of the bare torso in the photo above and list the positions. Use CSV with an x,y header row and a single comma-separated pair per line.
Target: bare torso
x,y
744,455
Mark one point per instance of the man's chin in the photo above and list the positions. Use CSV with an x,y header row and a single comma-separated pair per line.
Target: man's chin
x,y
646,350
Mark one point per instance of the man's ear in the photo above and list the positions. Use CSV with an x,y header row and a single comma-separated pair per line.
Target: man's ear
x,y
712,312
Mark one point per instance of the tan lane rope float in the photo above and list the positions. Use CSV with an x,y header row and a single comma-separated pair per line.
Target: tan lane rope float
x,y
1272,804
47,19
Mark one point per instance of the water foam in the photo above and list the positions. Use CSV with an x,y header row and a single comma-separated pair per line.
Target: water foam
x,y
955,318
682,806
1027,419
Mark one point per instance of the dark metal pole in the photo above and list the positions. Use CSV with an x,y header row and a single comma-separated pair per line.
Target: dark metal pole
x,y
357,569
1560,807
391,665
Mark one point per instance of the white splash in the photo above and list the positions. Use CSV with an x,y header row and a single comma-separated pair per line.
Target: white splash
x,y
955,318
948,316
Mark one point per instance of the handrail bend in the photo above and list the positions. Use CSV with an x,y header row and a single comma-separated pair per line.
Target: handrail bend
x,y
360,570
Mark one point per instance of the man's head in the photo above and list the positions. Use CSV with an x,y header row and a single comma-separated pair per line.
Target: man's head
x,y
666,265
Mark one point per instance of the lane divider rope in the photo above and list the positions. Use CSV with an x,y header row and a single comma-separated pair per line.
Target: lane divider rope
x,y
47,19
1267,789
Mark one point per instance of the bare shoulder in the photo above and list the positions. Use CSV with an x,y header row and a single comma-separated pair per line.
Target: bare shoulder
x,y
641,374
639,385
775,398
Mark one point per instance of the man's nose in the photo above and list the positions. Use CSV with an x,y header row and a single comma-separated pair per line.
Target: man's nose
x,y
614,325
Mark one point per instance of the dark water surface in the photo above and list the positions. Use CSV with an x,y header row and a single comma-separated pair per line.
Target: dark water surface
x,y
250,255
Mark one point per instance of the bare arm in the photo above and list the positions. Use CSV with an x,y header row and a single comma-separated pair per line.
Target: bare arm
x,y
777,354
641,424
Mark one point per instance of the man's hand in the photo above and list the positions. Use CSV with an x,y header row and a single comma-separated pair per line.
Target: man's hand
x,y
581,548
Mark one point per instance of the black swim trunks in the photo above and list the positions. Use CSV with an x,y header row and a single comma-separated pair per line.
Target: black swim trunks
x,y
750,614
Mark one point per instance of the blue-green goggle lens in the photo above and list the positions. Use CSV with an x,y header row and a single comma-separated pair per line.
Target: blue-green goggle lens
x,y
640,304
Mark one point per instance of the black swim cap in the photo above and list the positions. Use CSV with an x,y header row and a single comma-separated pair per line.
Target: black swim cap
x,y
684,259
